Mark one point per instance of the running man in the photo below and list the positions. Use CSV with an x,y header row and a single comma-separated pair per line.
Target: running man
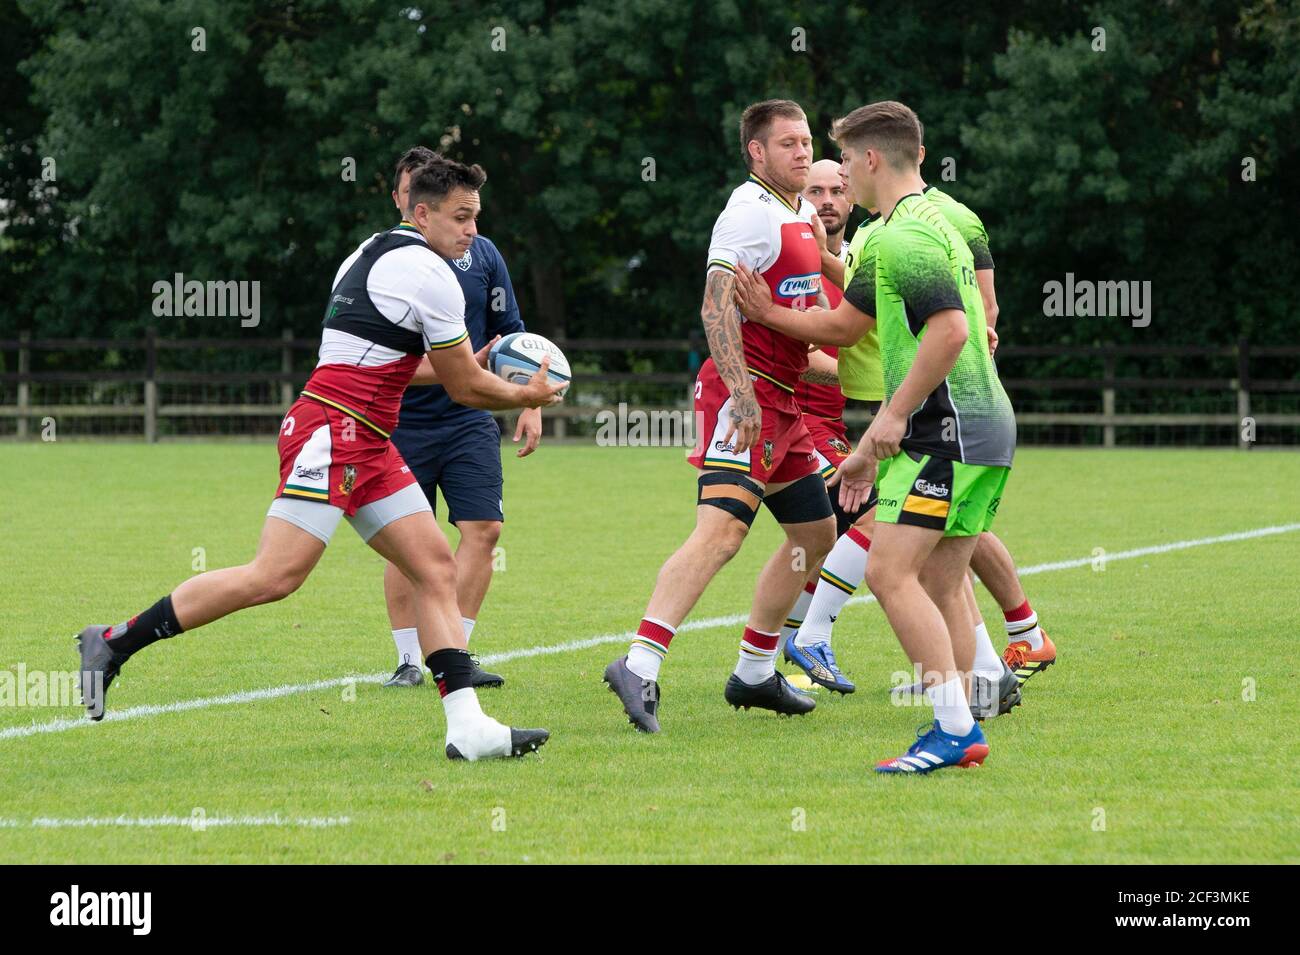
x,y
457,449
754,447
394,304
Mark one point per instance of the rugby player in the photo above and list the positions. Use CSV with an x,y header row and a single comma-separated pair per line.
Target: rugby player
x,y
753,446
1029,648
945,437
393,305
822,404
457,449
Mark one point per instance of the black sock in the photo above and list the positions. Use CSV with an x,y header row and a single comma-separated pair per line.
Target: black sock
x,y
451,669
157,623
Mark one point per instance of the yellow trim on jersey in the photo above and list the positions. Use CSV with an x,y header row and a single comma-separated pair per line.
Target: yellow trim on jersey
x,y
721,264
766,377
925,505
346,410
434,346
775,195
726,465
309,495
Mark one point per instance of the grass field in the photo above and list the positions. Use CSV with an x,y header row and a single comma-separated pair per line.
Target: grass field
x,y
1144,744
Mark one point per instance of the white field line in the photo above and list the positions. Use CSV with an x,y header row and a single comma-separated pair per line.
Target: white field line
x,y
196,822
731,620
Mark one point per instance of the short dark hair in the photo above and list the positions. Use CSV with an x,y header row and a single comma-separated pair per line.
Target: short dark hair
x,y
432,181
888,126
411,159
757,120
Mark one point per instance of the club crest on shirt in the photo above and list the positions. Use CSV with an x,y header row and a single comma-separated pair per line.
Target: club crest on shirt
x,y
767,454
349,479
465,261
839,446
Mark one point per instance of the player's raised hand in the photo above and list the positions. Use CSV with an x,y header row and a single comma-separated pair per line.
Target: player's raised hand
x,y
481,356
751,294
528,427
855,476
745,424
540,392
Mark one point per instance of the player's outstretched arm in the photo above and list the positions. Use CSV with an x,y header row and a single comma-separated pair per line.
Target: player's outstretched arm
x,y
468,383
726,347
842,325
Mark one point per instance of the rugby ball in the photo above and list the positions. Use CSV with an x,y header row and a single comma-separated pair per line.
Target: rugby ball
x,y
517,357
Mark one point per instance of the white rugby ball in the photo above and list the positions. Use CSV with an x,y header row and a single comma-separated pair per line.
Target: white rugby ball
x,y
518,356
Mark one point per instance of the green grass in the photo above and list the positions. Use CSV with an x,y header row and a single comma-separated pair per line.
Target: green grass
x,y
1143,717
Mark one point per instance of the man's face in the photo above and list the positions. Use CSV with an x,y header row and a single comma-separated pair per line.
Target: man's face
x,y
402,192
858,167
784,157
827,193
450,227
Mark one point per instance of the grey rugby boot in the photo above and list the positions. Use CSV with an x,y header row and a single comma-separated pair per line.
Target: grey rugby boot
x,y
99,666
640,697
406,674
989,698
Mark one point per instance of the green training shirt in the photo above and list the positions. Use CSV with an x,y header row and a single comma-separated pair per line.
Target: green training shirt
x,y
918,264
859,364
967,223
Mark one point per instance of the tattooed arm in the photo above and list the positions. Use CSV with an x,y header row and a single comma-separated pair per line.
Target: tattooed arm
x,y
722,327
822,369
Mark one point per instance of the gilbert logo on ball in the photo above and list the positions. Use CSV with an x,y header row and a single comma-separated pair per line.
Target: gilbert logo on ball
x,y
518,356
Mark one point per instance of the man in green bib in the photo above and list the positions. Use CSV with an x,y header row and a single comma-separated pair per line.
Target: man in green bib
x,y
944,440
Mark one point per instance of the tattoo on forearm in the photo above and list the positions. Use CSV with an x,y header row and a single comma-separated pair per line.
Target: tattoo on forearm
x,y
722,328
816,377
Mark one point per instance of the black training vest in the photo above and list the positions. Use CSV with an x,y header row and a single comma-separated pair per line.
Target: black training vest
x,y
350,308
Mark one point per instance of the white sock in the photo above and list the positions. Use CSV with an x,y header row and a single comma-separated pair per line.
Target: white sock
x,y
647,651
757,660
797,613
474,734
408,646
987,662
842,573
951,708
1025,627
467,624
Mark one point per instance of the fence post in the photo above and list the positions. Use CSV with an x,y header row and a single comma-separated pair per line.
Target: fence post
x,y
1108,401
151,386
24,392
286,366
1243,391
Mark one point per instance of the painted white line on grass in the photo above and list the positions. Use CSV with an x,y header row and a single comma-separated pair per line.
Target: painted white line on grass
x,y
196,822
731,620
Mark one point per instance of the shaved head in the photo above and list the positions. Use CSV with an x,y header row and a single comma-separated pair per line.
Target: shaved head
x,y
828,195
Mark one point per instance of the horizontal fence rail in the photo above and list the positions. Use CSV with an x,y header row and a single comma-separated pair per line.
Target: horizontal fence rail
x,y
1262,390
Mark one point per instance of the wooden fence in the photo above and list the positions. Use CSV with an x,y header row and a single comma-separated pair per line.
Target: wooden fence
x,y
1238,391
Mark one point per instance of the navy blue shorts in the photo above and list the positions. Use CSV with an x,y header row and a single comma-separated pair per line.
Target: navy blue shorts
x,y
463,461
